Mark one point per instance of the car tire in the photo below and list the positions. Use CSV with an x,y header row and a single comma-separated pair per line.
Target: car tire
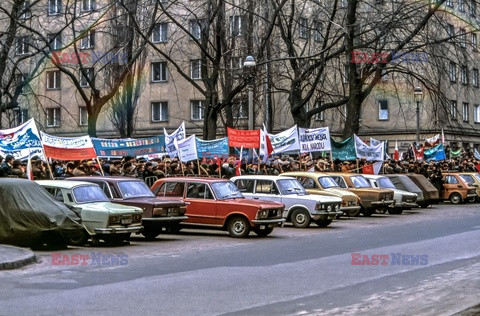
x,y
367,212
78,239
174,228
354,213
116,239
300,218
395,211
150,233
472,200
238,227
323,222
455,198
263,232
424,204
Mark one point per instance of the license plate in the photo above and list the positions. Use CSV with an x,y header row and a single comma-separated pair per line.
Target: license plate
x,y
126,221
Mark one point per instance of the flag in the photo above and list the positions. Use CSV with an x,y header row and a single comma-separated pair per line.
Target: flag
x,y
68,148
455,153
269,146
418,153
396,155
433,141
477,167
29,167
377,166
238,169
367,169
178,134
443,137
476,154
436,153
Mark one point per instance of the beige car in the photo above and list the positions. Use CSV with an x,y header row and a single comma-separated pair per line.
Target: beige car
x,y
371,199
321,184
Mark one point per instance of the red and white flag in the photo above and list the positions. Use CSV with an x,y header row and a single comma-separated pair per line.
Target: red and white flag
x,y
396,155
68,148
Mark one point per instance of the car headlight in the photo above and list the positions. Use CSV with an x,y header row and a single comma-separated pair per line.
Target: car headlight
x,y
329,208
262,214
114,219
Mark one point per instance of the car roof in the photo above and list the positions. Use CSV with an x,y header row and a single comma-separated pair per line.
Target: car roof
x,y
193,179
344,174
374,176
101,178
64,184
262,177
304,174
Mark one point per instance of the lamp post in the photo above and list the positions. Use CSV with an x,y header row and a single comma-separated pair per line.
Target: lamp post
x,y
418,96
249,65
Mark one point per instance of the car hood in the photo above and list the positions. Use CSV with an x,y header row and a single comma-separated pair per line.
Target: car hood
x,y
257,203
314,198
156,201
112,208
341,192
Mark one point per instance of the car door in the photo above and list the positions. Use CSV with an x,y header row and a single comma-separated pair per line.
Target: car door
x,y
201,204
267,190
451,185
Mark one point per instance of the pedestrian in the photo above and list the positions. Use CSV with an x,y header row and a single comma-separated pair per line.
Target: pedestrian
x,y
6,166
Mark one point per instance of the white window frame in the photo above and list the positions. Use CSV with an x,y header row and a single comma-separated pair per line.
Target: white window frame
x,y
56,80
200,105
196,28
453,72
464,74
25,11
196,69
89,5
453,109
383,114
476,113
475,77
83,80
160,33
236,25
82,116
474,41
240,110
54,7
465,111
317,32
163,70
55,41
162,111
449,3
22,45
21,115
463,38
55,121
320,116
461,5
303,28
473,8
88,40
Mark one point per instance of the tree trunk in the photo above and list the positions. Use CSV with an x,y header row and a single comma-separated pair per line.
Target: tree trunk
x,y
92,124
352,122
210,126
298,110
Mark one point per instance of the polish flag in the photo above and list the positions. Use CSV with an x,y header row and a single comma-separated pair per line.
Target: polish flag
x,y
396,155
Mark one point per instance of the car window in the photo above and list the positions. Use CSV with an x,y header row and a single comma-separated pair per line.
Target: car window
x,y
134,189
307,183
340,181
56,193
266,187
89,194
245,185
385,183
360,182
171,189
468,178
226,190
451,180
199,191
328,182
290,186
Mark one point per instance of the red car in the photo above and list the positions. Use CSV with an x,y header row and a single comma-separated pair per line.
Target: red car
x,y
219,204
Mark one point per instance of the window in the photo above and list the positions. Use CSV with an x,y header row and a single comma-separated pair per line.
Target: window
x,y
55,41
159,71
198,109
383,110
317,32
53,80
23,44
88,40
199,191
196,69
266,187
475,77
449,3
53,117
25,12
196,28
345,73
463,38
450,30
343,3
20,82
83,116
89,5
461,5
240,110
473,8
453,109
464,74
245,185
303,28
236,25
476,113
86,76
21,116
465,110
451,180
453,72
160,33
474,41
159,111
54,7
320,115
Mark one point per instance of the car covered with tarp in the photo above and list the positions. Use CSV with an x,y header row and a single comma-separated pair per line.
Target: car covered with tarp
x,y
30,216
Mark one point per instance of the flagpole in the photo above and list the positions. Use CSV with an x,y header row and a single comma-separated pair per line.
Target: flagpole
x,y
100,166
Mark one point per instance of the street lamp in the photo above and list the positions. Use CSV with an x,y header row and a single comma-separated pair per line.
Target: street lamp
x,y
249,65
418,96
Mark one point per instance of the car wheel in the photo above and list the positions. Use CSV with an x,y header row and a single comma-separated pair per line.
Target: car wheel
x,y
151,233
354,213
116,239
263,232
395,211
78,239
424,204
238,227
300,218
323,222
174,228
472,200
455,198
367,212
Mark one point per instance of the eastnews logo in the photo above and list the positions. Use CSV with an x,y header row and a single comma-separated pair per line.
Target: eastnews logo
x,y
93,259
393,259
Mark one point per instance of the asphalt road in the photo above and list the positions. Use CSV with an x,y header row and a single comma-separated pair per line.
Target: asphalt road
x,y
292,272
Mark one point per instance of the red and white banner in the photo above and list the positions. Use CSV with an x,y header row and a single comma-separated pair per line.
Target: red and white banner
x,y
68,148
243,138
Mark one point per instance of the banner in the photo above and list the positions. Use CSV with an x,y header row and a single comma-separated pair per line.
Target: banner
x,y
187,148
266,147
212,148
315,139
343,150
476,154
129,147
243,138
433,141
455,153
436,153
370,153
22,141
68,148
418,153
178,134
285,141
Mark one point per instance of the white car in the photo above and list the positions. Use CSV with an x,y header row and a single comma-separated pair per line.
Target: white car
x,y
403,199
300,207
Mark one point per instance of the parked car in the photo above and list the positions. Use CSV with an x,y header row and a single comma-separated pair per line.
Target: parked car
x,y
403,182
301,208
217,203
473,179
456,189
404,200
158,214
430,193
30,216
371,199
100,218
321,184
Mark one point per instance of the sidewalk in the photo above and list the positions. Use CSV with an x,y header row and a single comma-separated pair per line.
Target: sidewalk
x,y
14,257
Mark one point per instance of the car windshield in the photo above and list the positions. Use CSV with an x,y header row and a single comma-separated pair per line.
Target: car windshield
x,y
134,189
290,186
327,182
89,194
468,178
477,175
360,182
226,190
385,183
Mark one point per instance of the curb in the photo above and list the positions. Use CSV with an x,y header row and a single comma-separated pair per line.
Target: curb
x,y
17,257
